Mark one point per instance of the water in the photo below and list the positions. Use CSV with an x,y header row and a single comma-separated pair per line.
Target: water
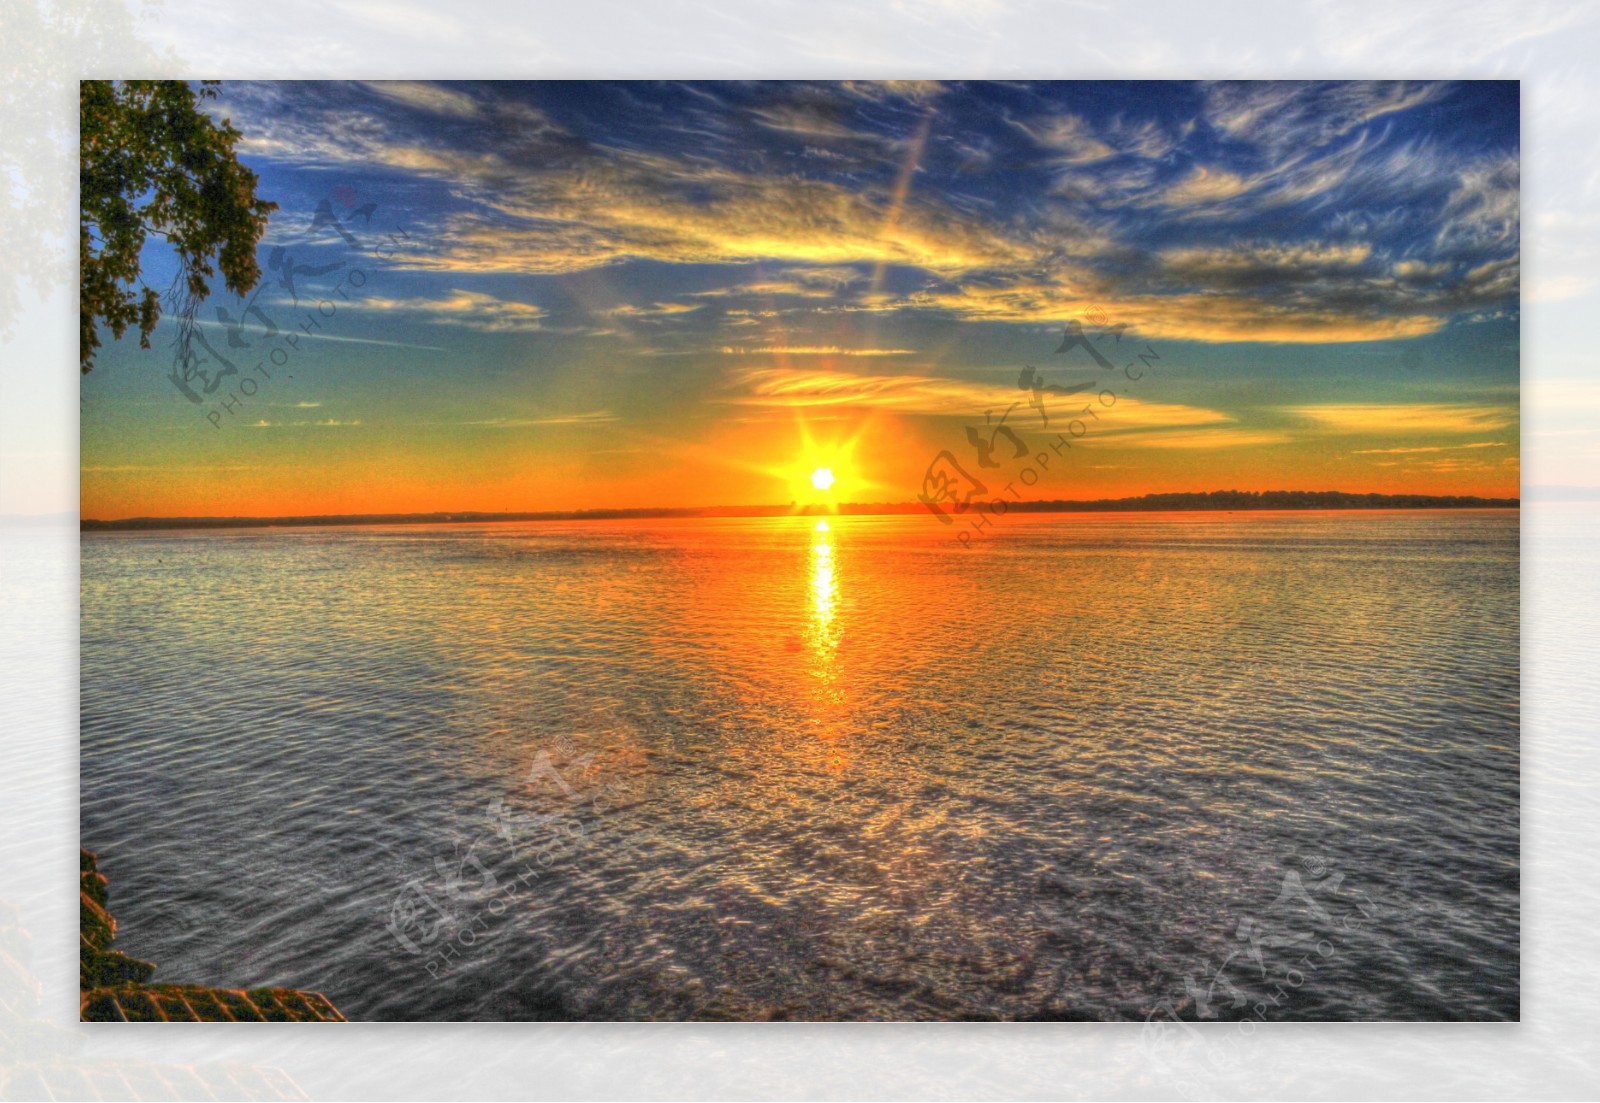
x,y
1095,766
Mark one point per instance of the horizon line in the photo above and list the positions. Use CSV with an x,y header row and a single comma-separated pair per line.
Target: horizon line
x,y
1163,501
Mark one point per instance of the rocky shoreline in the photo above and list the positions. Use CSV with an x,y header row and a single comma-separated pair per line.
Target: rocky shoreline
x,y
113,987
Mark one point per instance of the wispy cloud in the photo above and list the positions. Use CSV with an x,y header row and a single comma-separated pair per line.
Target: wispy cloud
x,y
423,96
1382,419
1204,185
811,350
314,335
922,394
594,417
655,310
136,468
1262,263
473,309
1285,117
1194,316
1218,437
327,423
1431,448
916,91
1069,138
714,182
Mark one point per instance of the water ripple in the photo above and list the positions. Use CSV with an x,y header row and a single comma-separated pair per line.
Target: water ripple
x,y
794,774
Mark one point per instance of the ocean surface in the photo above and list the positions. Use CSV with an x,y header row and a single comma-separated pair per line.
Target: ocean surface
x,y
1151,767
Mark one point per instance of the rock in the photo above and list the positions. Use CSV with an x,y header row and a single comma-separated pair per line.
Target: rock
x,y
112,986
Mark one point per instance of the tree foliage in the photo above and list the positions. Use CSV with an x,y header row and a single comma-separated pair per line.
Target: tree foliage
x,y
152,162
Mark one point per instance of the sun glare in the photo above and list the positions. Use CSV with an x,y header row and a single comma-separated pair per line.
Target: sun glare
x,y
822,478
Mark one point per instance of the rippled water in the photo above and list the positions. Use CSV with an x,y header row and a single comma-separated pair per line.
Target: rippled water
x,y
1096,766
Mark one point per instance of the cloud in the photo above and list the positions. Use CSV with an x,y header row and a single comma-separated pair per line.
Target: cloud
x,y
385,123
905,393
1288,116
1484,211
335,337
655,310
1069,138
1384,419
917,91
818,119
812,350
328,423
768,288
923,394
594,417
1144,138
1204,185
1310,222
1262,263
1195,316
1432,448
832,279
619,211
171,469
1420,272
423,96
1218,437
472,309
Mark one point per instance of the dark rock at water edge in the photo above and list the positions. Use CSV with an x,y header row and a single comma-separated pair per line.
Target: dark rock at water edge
x,y
113,986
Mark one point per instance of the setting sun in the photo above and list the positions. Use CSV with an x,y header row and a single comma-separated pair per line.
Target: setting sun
x,y
822,478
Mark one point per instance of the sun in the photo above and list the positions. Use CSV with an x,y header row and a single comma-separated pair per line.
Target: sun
x,y
822,478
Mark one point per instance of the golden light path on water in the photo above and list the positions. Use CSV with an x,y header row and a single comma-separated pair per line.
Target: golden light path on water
x,y
822,632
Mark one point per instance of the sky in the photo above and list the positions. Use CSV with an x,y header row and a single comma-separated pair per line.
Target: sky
x,y
553,296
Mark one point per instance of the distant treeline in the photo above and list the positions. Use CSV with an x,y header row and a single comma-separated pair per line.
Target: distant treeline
x,y
1215,500
1270,499
464,518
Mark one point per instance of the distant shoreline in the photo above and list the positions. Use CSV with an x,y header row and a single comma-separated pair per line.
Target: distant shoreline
x,y
1216,501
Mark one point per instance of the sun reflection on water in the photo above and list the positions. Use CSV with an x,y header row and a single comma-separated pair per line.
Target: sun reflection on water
x,y
822,635
824,594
